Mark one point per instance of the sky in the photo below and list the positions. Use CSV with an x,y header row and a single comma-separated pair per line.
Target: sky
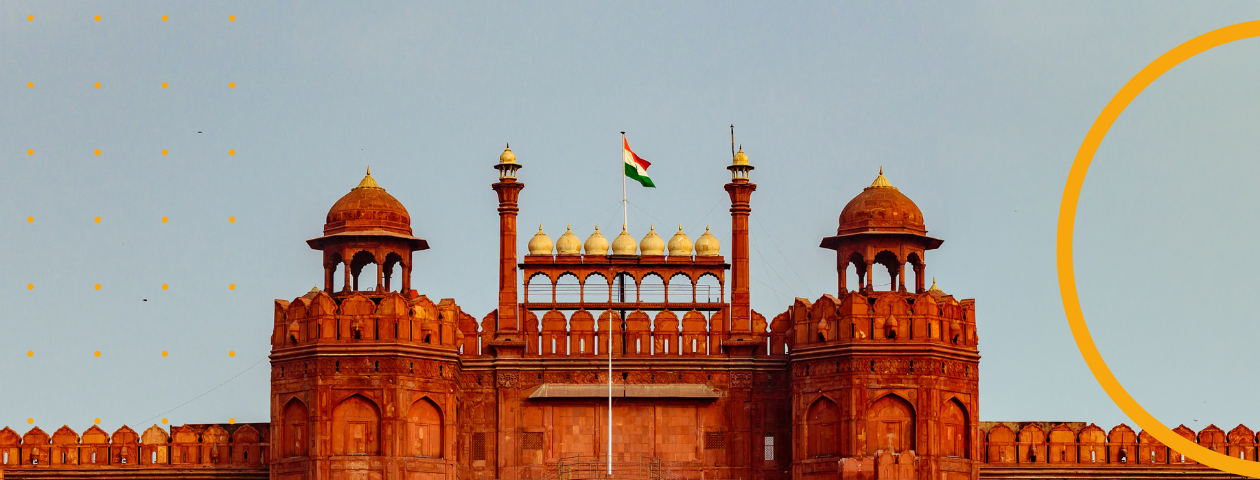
x,y
973,110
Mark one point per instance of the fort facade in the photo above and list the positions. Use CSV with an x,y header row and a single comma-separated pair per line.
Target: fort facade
x,y
373,380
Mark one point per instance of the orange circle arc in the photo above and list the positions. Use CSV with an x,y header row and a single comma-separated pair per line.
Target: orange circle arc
x,y
1067,224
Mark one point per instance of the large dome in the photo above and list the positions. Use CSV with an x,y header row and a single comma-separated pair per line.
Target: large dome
x,y
366,208
881,207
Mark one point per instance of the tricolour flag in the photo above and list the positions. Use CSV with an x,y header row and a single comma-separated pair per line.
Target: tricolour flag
x,y
636,167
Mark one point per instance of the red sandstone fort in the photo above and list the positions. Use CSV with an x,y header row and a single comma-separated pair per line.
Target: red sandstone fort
x,y
376,381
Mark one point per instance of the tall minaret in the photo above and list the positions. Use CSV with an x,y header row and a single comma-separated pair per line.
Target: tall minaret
x,y
741,191
509,189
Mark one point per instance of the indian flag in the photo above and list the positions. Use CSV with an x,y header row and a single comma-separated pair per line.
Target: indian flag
x,y
636,168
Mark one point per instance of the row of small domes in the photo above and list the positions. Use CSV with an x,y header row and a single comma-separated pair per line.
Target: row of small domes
x,y
652,244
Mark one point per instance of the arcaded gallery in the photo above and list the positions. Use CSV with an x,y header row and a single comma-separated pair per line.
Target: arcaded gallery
x,y
371,379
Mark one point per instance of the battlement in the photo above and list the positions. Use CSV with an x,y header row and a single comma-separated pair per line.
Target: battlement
x,y
319,317
233,447
885,316
1041,443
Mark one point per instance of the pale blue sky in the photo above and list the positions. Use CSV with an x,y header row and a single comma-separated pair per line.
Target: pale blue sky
x,y
975,110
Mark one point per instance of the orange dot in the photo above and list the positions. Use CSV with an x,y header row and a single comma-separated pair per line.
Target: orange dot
x,y
232,353
165,18
97,152
231,421
97,421
30,286
163,353
97,219
231,153
164,219
98,18
30,421
231,18
98,287
98,85
231,286
164,85
231,84
30,18
98,354
164,152
30,151
231,219
30,84
30,353
163,421
30,219
165,286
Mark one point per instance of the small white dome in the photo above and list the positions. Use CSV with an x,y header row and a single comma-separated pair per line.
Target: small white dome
x,y
568,244
596,244
624,244
540,244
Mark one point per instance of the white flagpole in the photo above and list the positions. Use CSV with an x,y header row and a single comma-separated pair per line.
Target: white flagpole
x,y
610,319
624,219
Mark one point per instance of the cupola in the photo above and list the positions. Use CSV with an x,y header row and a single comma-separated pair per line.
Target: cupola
x,y
624,244
540,244
596,244
680,244
652,244
568,244
708,245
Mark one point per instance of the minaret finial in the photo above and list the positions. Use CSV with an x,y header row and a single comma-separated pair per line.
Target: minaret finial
x,y
881,169
369,170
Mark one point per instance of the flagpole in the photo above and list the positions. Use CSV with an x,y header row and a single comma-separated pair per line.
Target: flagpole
x,y
624,221
624,215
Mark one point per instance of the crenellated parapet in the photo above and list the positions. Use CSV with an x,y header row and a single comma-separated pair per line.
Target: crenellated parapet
x,y
882,317
1077,443
320,318
209,446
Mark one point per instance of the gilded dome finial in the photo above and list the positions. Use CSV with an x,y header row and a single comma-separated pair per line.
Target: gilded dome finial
x,y
368,181
881,181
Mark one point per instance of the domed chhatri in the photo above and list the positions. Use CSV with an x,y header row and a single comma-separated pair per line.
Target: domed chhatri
x,y
624,244
596,244
707,245
568,244
507,156
680,244
881,207
366,208
652,244
540,244
740,157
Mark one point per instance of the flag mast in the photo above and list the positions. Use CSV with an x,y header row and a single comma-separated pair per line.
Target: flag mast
x,y
624,221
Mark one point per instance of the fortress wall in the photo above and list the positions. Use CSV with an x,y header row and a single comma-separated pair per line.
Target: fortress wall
x,y
186,451
1076,443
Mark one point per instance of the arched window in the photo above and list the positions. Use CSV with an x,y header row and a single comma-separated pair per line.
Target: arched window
x,y
356,427
424,429
954,430
294,425
890,425
822,426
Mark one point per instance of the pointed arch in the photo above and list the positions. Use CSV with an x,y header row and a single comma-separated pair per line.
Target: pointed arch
x,y
890,425
955,431
293,429
822,428
356,428
424,429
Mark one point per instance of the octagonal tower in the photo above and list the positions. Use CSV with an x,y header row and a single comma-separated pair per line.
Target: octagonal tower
x,y
884,380
363,378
